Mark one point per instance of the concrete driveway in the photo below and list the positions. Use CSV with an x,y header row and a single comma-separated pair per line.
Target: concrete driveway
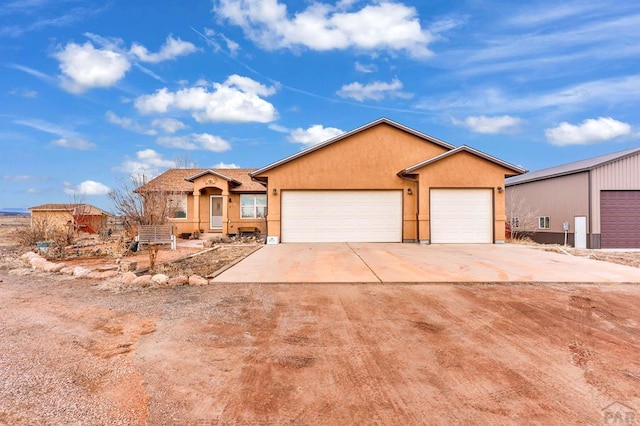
x,y
414,263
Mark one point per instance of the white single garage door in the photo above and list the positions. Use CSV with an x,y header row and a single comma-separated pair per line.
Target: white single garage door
x,y
341,216
461,216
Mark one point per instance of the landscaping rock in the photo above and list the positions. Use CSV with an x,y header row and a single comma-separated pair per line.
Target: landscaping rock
x,y
28,255
197,280
80,272
108,274
142,281
179,280
160,279
67,270
53,267
37,262
128,278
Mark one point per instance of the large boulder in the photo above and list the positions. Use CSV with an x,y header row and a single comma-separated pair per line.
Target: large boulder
x,y
80,272
160,279
128,278
142,281
179,280
53,267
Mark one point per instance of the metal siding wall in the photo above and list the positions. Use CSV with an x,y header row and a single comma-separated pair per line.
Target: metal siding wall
x,y
560,198
621,174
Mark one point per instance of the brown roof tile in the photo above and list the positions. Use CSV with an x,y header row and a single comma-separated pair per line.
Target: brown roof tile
x,y
175,180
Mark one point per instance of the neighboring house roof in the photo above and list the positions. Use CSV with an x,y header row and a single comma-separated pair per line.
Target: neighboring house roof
x,y
76,208
351,133
181,180
571,168
463,148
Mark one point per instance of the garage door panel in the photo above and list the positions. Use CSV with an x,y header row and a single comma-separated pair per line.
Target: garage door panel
x,y
341,216
461,215
619,219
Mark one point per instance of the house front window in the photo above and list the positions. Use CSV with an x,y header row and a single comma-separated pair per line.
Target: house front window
x,y
543,222
177,206
253,206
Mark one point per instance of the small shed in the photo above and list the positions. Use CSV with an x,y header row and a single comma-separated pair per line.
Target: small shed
x,y
82,217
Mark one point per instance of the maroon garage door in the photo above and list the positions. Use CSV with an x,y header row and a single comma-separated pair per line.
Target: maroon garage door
x,y
620,219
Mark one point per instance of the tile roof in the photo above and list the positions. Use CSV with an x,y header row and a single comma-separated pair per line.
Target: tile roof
x,y
175,180
571,168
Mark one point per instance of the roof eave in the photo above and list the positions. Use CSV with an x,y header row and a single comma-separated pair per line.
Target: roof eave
x,y
348,134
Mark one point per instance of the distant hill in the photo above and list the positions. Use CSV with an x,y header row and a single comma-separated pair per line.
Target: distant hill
x,y
13,212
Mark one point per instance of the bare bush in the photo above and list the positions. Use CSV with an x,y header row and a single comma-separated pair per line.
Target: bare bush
x,y
142,203
521,216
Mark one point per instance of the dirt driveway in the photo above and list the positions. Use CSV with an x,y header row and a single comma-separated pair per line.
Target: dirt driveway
x,y
316,354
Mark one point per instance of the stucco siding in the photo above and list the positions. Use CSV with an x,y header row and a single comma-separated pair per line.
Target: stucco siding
x,y
621,174
370,159
463,170
560,198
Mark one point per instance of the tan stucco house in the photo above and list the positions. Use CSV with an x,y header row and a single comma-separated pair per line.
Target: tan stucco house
x,y
220,201
382,182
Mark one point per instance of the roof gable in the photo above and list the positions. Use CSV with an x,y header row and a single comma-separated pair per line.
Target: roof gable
x,y
572,168
212,172
346,135
177,180
463,148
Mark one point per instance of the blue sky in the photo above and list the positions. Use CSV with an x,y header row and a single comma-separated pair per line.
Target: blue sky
x,y
92,91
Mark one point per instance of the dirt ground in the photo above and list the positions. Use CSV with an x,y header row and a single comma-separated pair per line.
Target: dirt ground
x,y
315,354
73,353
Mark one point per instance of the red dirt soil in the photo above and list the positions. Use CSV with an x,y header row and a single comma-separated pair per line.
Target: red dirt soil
x,y
316,354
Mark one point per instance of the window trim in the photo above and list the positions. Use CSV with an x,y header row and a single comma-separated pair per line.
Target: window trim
x,y
255,206
544,222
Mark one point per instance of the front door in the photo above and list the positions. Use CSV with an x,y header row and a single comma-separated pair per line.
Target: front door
x,y
215,209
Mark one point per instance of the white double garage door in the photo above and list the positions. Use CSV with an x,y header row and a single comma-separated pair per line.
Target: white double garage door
x,y
457,216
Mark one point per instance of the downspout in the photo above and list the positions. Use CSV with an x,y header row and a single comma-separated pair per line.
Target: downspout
x,y
417,195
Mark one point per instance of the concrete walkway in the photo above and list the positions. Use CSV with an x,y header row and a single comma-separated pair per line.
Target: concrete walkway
x,y
414,263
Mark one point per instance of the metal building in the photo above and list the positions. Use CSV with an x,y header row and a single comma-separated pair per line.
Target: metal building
x,y
593,203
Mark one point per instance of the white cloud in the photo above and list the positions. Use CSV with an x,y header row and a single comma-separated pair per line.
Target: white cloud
x,y
85,67
24,93
211,142
365,68
314,134
223,165
128,124
490,125
384,26
180,142
236,100
592,130
169,125
171,49
74,143
204,141
148,163
279,128
67,138
377,90
88,187
18,178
